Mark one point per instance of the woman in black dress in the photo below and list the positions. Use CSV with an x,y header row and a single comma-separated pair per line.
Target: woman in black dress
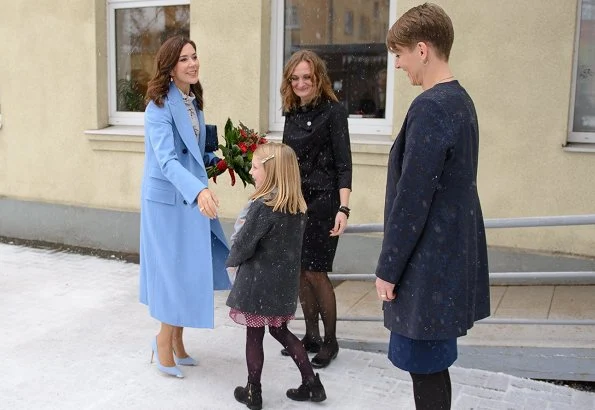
x,y
432,272
316,129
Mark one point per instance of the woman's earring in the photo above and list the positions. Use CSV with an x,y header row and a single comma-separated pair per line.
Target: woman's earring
x,y
171,79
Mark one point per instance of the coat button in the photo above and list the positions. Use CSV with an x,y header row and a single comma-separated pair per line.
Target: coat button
x,y
185,151
185,203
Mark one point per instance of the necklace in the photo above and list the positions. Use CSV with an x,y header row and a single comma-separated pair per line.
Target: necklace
x,y
444,79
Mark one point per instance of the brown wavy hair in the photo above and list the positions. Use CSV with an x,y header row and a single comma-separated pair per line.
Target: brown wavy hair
x,y
427,23
165,61
320,80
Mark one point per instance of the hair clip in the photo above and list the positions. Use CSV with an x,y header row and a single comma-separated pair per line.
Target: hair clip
x,y
267,158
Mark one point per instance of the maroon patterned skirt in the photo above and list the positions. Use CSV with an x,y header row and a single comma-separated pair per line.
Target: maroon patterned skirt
x,y
253,320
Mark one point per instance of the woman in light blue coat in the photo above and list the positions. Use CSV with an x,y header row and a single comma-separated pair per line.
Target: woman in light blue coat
x,y
182,245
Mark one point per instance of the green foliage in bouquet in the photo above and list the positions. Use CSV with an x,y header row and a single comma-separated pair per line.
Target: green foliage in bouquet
x,y
240,144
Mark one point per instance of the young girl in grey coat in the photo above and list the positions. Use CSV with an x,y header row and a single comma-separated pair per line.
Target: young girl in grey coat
x,y
267,252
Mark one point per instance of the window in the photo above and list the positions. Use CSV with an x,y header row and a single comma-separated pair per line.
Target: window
x,y
136,30
348,24
291,17
356,57
364,28
582,118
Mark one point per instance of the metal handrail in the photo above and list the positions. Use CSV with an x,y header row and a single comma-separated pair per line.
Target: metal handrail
x,y
503,278
524,222
500,278
488,321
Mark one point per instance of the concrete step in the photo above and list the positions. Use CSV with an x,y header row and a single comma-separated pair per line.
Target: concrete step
x,y
565,352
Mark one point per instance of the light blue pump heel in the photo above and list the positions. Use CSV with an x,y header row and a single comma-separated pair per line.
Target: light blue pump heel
x,y
185,361
172,371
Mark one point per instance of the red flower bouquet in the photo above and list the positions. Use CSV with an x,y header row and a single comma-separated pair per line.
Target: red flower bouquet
x,y
240,144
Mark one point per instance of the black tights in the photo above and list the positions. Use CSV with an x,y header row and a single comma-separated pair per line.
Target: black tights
x,y
318,296
255,351
432,391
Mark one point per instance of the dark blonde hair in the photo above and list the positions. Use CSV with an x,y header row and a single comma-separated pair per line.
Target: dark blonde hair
x,y
320,80
166,59
427,23
281,188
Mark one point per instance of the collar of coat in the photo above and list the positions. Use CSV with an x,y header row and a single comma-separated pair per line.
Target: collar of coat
x,y
184,123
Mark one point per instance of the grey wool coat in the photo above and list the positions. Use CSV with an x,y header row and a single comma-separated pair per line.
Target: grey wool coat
x,y
434,247
267,251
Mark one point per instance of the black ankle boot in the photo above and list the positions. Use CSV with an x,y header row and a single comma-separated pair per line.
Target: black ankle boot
x,y
311,346
327,353
310,389
251,396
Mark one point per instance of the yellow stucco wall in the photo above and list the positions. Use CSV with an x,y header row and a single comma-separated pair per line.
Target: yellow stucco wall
x,y
514,58
52,58
233,38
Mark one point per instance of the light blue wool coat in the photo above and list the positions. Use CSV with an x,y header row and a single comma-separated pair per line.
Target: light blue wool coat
x,y
182,252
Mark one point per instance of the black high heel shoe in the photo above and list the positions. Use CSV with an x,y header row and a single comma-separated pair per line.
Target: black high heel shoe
x,y
311,346
328,352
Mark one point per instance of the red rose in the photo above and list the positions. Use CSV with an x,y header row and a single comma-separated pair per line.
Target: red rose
x,y
253,147
263,140
243,147
222,165
243,134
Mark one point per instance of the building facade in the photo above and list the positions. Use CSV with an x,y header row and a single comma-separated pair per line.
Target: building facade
x,y
73,74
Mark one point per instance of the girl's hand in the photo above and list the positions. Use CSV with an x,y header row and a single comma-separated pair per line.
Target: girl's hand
x,y
207,203
340,224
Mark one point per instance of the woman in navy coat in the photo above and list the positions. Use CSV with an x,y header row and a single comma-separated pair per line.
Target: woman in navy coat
x,y
182,245
432,272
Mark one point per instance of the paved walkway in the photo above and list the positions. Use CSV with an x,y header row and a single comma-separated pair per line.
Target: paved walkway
x,y
75,337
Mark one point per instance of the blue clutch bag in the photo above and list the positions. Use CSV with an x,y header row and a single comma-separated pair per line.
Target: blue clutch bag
x,y
211,139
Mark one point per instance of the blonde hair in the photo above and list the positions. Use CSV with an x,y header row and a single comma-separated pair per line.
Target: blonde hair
x,y
320,80
281,188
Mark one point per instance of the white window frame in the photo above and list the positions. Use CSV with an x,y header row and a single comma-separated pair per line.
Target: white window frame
x,y
125,117
362,126
577,137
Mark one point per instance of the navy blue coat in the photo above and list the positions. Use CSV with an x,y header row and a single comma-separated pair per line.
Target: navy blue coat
x,y
434,248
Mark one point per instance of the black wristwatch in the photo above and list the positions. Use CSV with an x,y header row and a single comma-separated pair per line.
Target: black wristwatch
x,y
345,210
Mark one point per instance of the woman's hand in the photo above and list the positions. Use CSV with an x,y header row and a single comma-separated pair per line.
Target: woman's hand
x,y
340,224
207,203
